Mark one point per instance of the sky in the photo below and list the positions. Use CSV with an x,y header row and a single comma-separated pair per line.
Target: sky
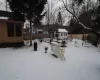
x,y
54,6
2,5
2,0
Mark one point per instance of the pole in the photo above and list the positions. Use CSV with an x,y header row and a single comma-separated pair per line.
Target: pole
x,y
30,12
30,31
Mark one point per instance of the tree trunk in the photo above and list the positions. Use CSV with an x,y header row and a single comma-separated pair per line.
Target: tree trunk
x,y
97,40
30,32
57,37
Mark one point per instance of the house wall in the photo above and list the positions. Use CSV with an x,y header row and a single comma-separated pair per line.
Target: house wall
x,y
63,36
4,35
1,30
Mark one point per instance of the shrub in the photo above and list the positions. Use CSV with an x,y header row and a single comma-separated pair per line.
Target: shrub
x,y
92,38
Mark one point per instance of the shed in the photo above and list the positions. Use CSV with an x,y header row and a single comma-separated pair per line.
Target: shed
x,y
61,34
11,33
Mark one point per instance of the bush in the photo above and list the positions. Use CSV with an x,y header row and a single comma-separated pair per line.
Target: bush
x,y
92,38
99,40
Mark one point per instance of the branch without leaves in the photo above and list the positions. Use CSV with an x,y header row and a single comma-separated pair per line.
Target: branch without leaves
x,y
75,17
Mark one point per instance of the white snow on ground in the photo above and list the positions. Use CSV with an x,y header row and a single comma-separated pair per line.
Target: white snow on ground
x,y
81,63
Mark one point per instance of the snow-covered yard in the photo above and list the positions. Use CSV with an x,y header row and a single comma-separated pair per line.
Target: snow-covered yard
x,y
81,63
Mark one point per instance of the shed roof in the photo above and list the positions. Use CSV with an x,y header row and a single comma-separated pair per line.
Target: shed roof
x,y
62,30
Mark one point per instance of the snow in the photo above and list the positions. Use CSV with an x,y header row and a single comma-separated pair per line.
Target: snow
x,y
5,18
55,43
62,30
82,63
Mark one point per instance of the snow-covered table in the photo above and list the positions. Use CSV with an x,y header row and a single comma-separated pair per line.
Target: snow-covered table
x,y
86,44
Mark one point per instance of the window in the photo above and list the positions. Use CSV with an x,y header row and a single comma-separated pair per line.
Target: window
x,y
40,32
65,34
58,34
61,34
10,29
14,29
18,30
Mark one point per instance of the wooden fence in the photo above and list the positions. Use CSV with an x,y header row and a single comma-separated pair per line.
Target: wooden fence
x,y
78,36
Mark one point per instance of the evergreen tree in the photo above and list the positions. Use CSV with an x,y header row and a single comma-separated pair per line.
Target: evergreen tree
x,y
31,9
59,19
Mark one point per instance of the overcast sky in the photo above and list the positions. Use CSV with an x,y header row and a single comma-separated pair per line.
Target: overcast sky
x,y
2,5
2,0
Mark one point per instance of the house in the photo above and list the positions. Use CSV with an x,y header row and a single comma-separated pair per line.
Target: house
x,y
11,33
61,34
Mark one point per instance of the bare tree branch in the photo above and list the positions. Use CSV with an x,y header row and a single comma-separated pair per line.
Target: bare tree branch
x,y
75,16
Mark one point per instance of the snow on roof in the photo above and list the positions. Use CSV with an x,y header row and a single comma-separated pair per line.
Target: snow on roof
x,y
62,30
40,30
5,18
54,43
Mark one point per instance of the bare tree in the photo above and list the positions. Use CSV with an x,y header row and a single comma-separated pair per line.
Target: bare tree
x,y
65,6
77,18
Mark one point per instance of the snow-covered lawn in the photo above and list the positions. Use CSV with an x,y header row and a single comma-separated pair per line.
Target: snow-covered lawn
x,y
81,63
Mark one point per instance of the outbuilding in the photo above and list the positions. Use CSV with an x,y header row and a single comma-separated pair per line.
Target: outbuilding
x,y
11,33
61,34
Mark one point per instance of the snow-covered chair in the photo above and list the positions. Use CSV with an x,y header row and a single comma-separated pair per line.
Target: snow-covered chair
x,y
70,39
76,44
86,44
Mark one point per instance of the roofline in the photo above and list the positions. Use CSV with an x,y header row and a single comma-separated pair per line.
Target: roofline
x,y
62,29
12,21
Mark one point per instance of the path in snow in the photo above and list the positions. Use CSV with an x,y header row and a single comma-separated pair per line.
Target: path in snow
x,y
24,64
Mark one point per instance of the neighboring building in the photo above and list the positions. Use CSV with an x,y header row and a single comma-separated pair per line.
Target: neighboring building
x,y
45,32
61,34
11,33
37,33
